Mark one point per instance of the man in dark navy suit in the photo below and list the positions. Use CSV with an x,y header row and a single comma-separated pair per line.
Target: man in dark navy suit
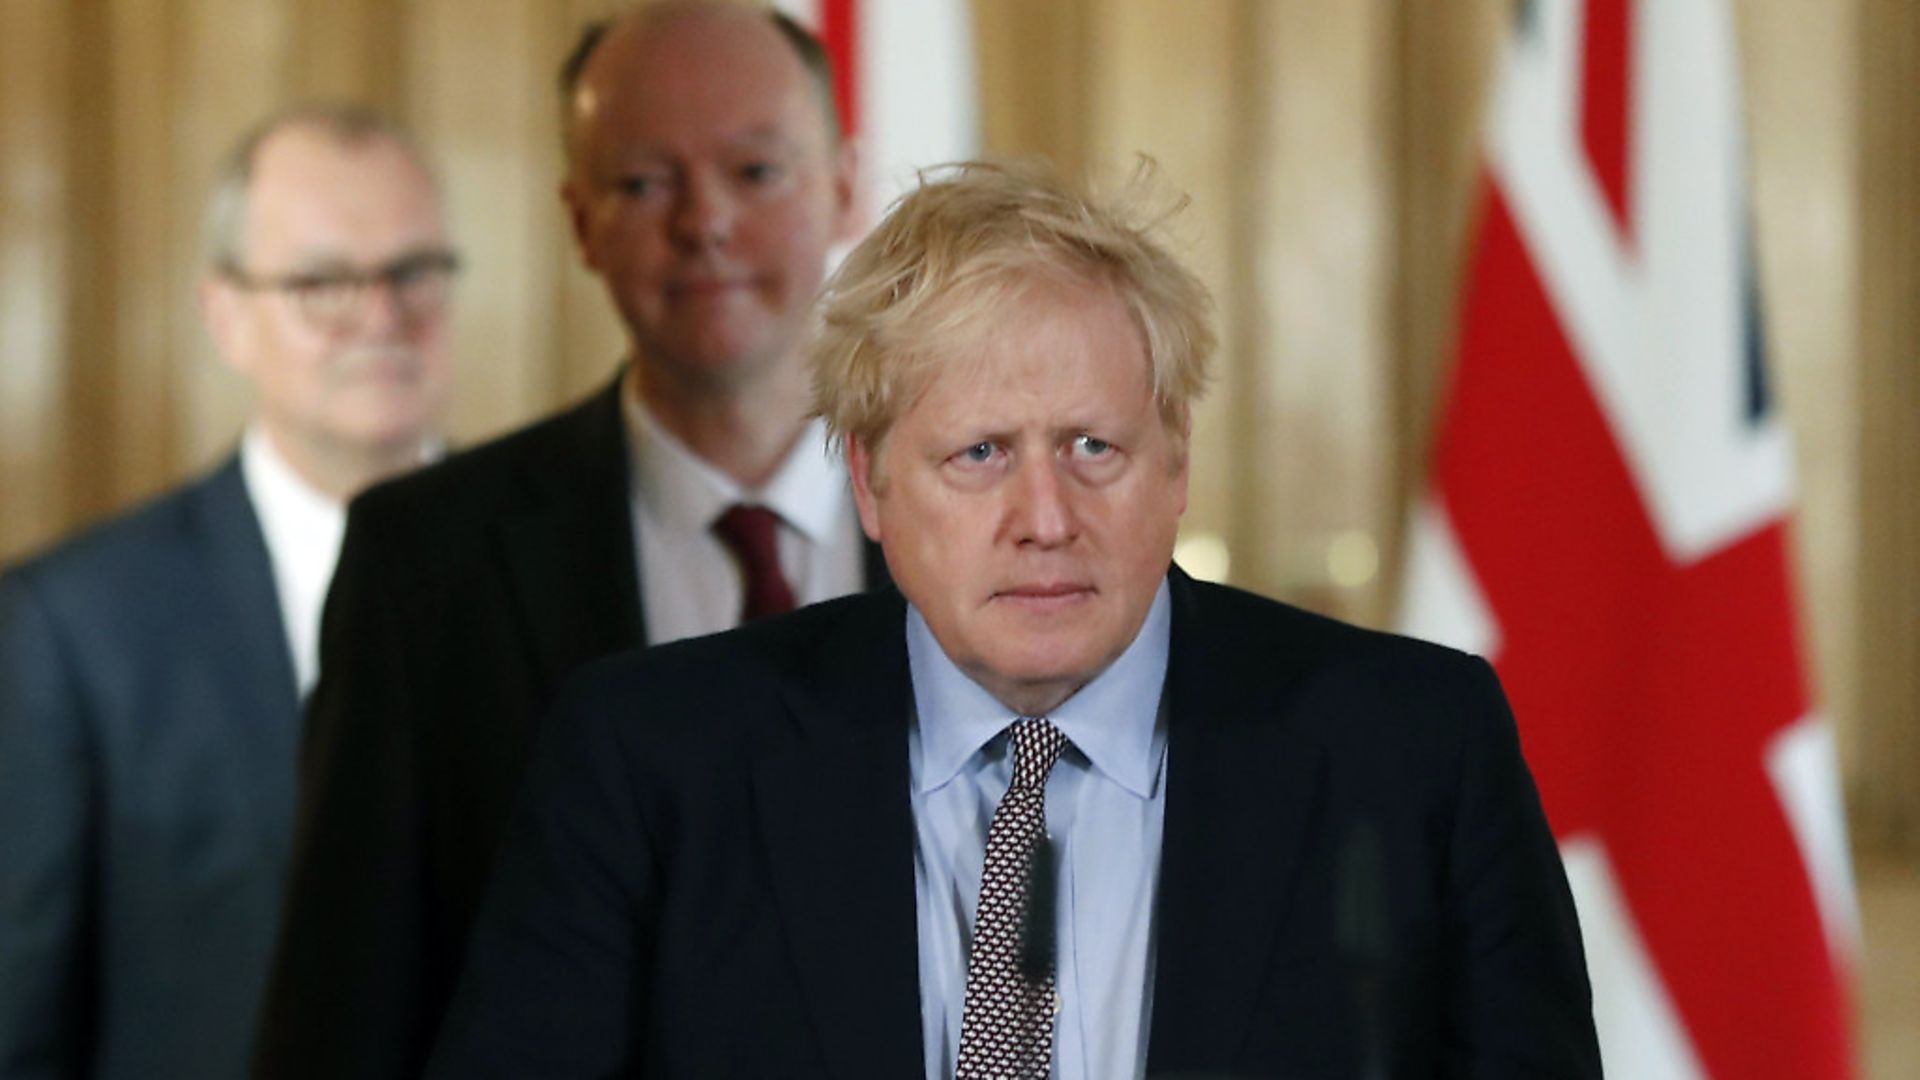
x,y
1053,808
151,668
705,183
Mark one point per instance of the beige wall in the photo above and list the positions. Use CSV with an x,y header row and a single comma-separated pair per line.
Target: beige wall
x,y
1884,623
1330,152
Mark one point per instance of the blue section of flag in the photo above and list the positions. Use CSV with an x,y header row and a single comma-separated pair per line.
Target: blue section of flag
x,y
1526,18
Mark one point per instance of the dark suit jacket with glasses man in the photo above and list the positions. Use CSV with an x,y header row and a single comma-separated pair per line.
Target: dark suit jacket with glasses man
x,y
152,668
1053,807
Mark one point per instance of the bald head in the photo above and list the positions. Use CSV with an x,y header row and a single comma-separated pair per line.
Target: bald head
x,y
581,97
705,186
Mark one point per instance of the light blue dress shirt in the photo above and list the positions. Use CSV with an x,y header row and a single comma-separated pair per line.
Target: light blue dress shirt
x,y
1105,804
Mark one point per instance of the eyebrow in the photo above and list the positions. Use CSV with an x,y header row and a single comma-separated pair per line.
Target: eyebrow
x,y
1055,433
637,154
320,262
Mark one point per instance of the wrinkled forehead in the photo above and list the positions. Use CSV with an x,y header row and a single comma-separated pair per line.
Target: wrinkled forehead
x,y
1035,345
1014,312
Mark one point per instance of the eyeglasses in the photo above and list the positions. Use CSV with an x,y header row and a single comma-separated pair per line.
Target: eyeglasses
x,y
335,301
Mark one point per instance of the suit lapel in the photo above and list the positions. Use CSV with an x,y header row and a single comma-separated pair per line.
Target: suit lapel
x,y
569,548
251,630
1243,796
838,828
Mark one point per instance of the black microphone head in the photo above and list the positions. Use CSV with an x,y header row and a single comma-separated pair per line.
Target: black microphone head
x,y
1363,927
1038,932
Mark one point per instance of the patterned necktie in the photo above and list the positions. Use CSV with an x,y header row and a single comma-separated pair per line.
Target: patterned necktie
x,y
1007,1028
752,532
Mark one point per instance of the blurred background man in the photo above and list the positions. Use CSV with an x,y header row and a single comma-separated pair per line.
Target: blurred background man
x,y
706,181
152,668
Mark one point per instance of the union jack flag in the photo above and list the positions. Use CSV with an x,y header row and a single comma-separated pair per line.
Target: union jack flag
x,y
904,80
1607,521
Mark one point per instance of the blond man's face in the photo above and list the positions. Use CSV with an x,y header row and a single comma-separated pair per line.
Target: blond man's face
x,y
1028,499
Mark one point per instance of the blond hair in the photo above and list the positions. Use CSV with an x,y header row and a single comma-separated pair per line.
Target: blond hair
x,y
950,258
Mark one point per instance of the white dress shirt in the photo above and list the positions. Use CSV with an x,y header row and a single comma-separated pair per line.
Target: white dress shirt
x,y
690,583
303,528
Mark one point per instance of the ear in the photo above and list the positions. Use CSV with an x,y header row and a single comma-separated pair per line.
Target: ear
x,y
848,192
1183,457
225,318
576,197
860,470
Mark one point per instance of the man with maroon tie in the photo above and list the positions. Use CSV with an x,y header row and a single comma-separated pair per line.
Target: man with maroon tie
x,y
705,182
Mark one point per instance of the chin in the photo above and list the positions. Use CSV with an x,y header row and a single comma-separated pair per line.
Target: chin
x,y
1037,666
393,428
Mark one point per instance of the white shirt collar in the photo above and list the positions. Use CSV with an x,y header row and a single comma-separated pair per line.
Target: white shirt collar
x,y
685,491
303,527
281,493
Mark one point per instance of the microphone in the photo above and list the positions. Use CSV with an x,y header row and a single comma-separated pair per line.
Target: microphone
x,y
1038,932
1363,930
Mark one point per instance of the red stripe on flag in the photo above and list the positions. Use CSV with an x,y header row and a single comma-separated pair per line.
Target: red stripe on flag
x,y
1605,99
840,32
1648,691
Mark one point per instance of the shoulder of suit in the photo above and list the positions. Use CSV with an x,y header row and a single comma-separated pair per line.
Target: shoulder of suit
x,y
742,673
774,648
1383,703
1260,620
490,474
127,545
1263,642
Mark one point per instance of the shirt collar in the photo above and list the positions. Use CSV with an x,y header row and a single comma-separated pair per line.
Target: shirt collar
x,y
1113,720
808,491
288,506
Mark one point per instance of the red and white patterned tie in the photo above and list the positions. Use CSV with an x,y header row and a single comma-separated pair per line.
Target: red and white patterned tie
x,y
1006,1030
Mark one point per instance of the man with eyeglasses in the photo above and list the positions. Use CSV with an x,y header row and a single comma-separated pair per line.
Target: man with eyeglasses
x,y
152,668
705,182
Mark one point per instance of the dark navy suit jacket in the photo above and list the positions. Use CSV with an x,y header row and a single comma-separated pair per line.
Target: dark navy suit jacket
x,y
711,870
148,722
465,594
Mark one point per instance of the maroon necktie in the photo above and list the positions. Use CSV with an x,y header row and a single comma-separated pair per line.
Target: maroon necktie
x,y
753,534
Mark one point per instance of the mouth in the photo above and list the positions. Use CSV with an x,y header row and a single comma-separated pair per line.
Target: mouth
x,y
1045,596
385,369
706,287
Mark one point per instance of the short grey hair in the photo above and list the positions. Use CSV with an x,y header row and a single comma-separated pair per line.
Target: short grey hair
x,y
350,124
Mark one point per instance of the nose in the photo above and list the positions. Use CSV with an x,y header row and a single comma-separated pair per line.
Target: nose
x,y
704,214
383,314
1043,514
